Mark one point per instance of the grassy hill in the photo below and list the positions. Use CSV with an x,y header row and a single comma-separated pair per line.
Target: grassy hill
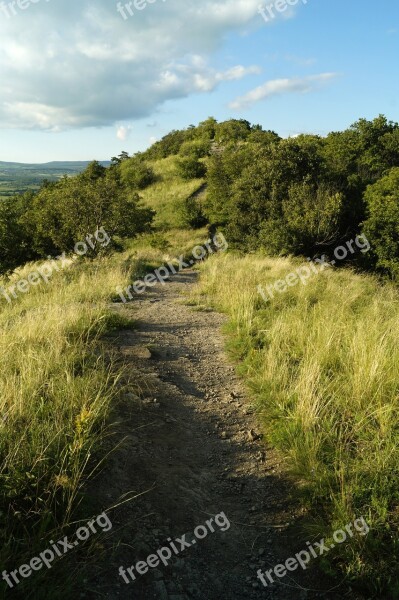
x,y
321,362
319,358
168,195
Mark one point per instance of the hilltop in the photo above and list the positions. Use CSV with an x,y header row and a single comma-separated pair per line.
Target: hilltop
x,y
307,284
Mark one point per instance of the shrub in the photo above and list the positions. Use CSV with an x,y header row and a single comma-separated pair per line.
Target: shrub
x,y
137,174
189,167
382,225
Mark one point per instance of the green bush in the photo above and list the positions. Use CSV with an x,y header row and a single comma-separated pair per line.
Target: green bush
x,y
136,174
15,239
189,167
191,212
61,214
382,224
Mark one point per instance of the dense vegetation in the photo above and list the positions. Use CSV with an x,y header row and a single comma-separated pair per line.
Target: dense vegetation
x,y
321,359
53,220
303,195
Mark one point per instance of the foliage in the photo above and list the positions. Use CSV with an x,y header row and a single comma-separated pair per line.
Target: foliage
x,y
189,167
15,240
300,195
170,144
192,212
382,224
136,174
61,214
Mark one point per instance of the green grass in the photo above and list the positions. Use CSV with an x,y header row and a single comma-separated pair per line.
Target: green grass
x,y
322,362
167,195
60,379
59,382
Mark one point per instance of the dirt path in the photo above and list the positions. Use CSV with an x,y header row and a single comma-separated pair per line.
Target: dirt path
x,y
194,444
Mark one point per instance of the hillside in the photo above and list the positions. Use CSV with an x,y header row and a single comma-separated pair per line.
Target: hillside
x,y
169,193
207,330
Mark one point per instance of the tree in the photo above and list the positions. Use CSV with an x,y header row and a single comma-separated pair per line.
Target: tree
x,y
93,171
136,174
382,224
311,217
117,160
15,239
224,168
199,148
207,129
189,167
232,131
75,207
170,144
255,211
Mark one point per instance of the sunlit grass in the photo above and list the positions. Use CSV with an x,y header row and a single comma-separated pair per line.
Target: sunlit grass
x,y
168,194
59,381
322,361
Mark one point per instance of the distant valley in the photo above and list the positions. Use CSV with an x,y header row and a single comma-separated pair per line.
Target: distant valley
x,y
17,178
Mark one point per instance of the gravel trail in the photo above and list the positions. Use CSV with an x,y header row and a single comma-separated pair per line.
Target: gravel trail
x,y
192,449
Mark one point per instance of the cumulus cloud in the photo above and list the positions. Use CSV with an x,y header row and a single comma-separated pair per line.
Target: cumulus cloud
x,y
277,87
123,132
78,63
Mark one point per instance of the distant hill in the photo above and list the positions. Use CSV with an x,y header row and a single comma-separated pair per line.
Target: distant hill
x,y
16,178
55,164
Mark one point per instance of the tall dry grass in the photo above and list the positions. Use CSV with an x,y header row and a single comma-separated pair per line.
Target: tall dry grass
x,y
322,362
59,382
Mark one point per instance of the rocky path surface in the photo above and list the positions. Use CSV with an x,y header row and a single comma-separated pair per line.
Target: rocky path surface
x,y
191,450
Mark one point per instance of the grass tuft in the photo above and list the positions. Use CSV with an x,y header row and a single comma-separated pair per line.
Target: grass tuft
x,y
322,362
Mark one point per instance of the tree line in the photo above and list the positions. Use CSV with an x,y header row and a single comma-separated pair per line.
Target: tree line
x,y
35,225
298,196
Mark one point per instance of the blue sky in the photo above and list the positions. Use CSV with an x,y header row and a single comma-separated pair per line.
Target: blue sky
x,y
81,82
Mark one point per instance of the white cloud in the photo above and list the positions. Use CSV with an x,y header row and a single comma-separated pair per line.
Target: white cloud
x,y
78,63
238,72
123,132
277,87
